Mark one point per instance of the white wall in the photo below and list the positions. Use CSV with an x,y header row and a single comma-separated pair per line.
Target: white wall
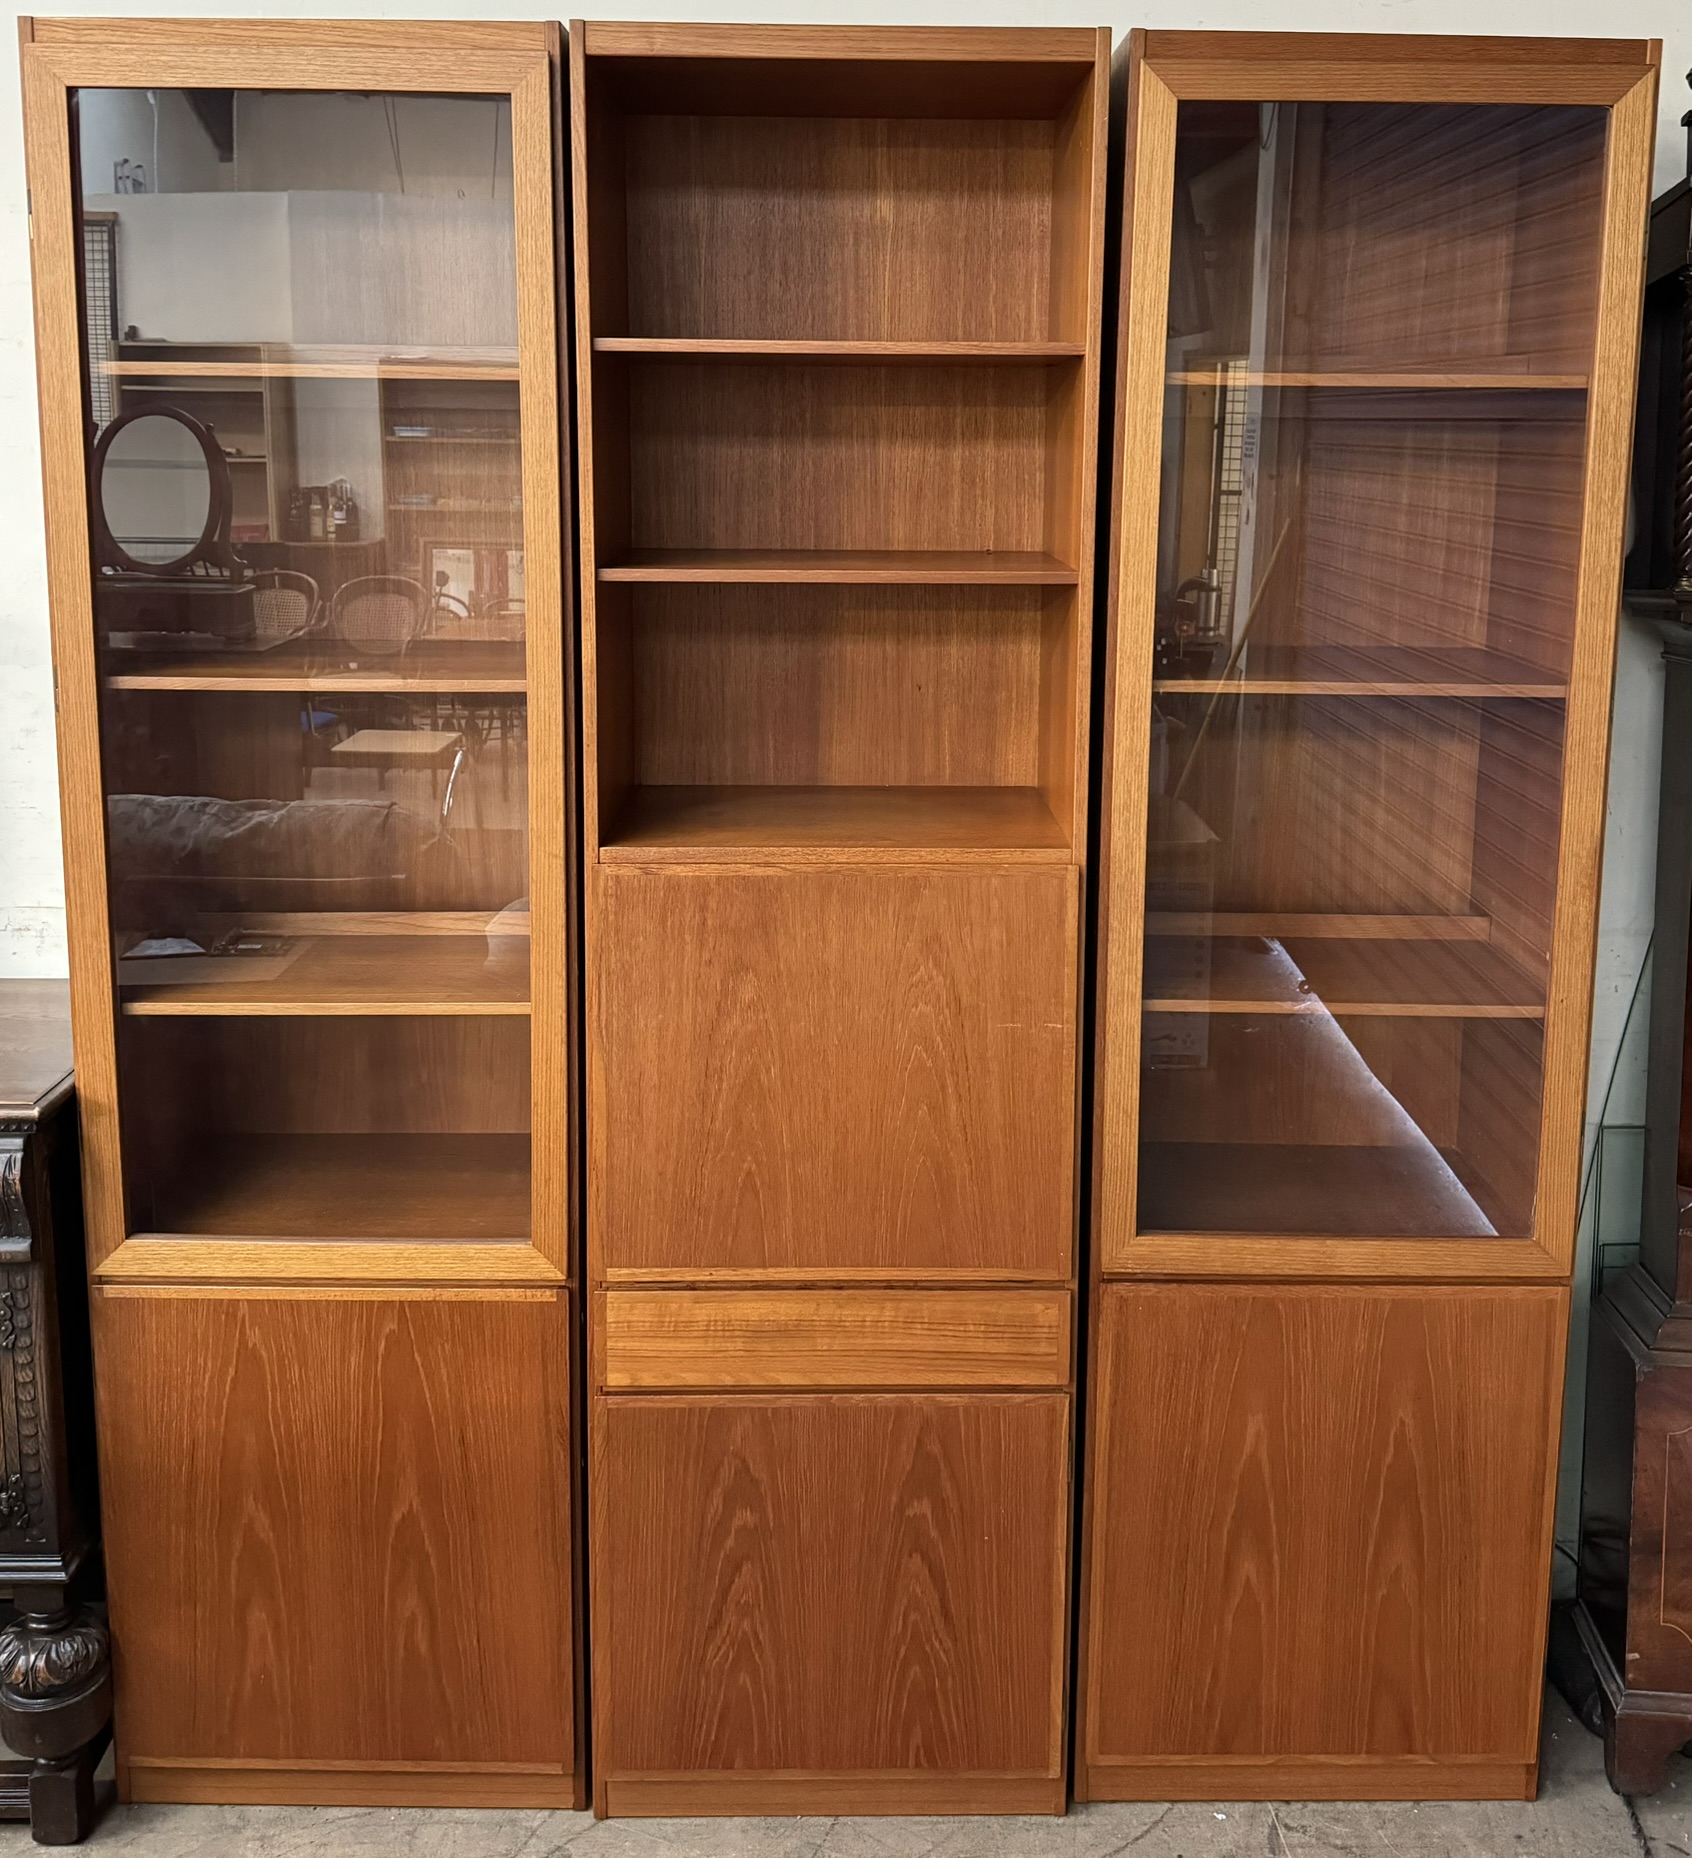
x,y
31,894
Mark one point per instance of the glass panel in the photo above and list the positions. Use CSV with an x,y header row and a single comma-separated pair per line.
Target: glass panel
x,y
300,329
1380,324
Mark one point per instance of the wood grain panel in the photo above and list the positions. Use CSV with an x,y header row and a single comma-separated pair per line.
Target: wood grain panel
x,y
849,227
688,1339
805,1070
830,1585
741,1792
883,687
348,1783
1320,1531
781,455
338,1529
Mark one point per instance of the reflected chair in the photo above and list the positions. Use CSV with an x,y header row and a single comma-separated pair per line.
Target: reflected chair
x,y
379,615
286,606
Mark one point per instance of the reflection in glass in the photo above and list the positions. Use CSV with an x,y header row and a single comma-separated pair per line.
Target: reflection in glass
x,y
314,720
155,489
1380,325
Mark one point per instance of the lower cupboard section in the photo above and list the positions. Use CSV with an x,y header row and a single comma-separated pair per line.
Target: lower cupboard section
x,y
339,1545
1319,1541
830,1603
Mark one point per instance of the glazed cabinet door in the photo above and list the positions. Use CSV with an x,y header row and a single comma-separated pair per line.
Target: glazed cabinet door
x,y
1380,343
297,306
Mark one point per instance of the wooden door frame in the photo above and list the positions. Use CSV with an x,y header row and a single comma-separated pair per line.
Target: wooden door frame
x,y
523,61
1163,69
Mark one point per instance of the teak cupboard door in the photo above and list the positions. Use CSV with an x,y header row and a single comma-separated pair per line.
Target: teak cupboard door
x,y
854,1599
835,1071
1318,1541
344,1541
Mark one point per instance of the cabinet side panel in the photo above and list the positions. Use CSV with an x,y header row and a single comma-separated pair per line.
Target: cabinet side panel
x,y
836,1070
1322,1528
337,1527
828,1585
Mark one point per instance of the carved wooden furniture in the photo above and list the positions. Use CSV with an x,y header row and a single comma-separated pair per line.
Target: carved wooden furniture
x,y
323,1019
55,1660
837,308
1634,1603
1379,323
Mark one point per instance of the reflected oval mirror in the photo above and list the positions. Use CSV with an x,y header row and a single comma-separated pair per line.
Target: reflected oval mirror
x,y
157,482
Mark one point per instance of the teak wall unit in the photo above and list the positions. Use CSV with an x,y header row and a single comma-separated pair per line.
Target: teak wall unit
x,y
329,1156
1379,319
838,300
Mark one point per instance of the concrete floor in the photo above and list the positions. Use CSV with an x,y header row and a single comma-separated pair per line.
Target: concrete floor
x,y
1575,1816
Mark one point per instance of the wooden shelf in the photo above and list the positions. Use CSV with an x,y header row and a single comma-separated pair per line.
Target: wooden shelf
x,y
1413,380
705,348
1389,671
419,1187
844,567
1303,1190
341,363
1347,978
1322,925
705,825
472,667
354,976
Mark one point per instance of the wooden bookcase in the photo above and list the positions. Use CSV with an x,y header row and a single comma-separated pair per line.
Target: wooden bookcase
x,y
317,815
1379,321
838,298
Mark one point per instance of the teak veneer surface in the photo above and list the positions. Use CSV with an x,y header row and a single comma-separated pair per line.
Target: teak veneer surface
x,y
366,1186
1338,1499
811,1069
826,1586
844,567
785,455
669,1340
342,1531
360,975
818,824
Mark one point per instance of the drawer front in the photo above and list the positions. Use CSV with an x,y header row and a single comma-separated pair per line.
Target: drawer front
x,y
672,1340
805,1072
830,1584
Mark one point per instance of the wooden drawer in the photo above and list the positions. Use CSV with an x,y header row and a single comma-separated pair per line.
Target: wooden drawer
x,y
816,1071
339,1544
851,1592
672,1340
1320,1541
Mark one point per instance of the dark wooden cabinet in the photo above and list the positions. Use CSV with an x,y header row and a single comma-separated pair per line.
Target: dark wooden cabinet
x,y
55,1662
1633,1609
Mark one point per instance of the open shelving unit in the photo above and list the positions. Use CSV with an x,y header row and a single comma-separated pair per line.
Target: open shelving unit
x,y
837,304
1378,328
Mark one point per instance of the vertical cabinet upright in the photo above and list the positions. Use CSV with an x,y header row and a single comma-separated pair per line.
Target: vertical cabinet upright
x,y
296,314
837,320
1379,320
